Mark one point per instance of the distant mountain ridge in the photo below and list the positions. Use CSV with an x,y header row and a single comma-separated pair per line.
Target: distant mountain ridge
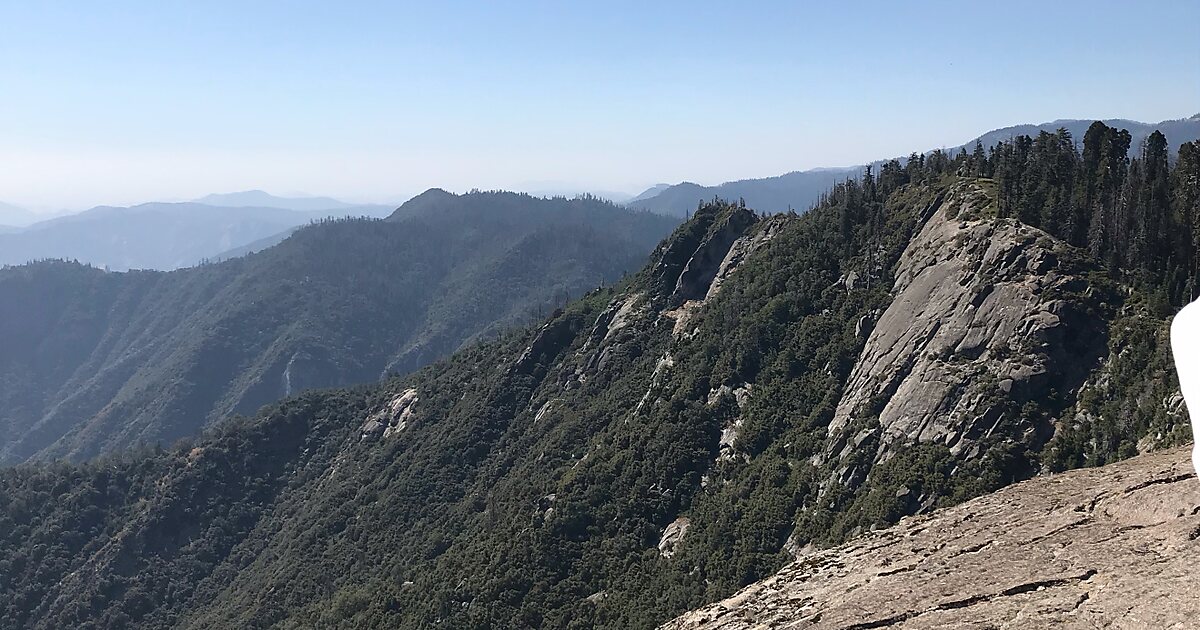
x,y
161,236
263,199
648,193
15,216
95,361
799,190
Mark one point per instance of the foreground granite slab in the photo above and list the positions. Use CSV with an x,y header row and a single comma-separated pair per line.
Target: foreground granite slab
x,y
1111,547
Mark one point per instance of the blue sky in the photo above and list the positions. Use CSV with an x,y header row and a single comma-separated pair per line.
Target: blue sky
x,y
120,102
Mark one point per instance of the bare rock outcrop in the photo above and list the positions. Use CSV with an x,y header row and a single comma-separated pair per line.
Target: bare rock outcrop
x,y
394,417
741,249
553,336
687,262
986,316
1111,547
614,325
730,431
673,535
704,264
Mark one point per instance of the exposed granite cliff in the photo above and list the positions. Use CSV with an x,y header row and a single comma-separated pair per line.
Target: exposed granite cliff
x,y
688,262
1111,547
987,315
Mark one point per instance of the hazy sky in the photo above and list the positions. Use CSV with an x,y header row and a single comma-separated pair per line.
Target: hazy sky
x,y
121,102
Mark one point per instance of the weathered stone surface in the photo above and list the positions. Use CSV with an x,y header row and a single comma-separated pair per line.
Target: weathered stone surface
x,y
685,264
729,432
613,319
661,370
545,408
750,241
979,315
702,268
673,535
393,417
728,243
741,249
1112,547
607,332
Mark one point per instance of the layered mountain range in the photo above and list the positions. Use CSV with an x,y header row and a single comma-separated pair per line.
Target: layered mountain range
x,y
161,236
765,387
95,361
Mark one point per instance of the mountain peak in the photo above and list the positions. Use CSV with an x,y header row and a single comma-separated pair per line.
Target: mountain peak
x,y
16,216
431,195
421,203
648,193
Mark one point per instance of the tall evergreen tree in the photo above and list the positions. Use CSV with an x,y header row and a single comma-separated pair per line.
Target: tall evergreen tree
x,y
1154,204
979,161
1185,199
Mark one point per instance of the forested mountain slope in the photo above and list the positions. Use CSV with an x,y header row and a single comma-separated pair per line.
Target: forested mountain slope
x,y
95,361
764,384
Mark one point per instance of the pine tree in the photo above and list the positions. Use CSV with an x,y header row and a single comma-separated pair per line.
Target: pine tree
x,y
1185,199
979,161
1154,203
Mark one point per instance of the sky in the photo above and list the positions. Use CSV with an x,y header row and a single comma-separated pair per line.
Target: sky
x,y
123,102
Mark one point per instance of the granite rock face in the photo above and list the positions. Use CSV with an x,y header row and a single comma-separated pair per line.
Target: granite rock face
x,y
985,317
393,417
673,535
741,249
709,258
754,238
1111,547
686,264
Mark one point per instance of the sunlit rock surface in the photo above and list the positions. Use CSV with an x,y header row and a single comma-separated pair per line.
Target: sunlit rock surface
x,y
1112,547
